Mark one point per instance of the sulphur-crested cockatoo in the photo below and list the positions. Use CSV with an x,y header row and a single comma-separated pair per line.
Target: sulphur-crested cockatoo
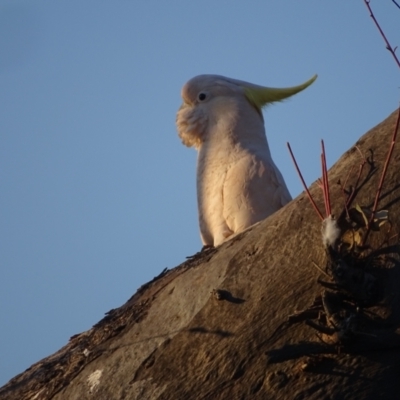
x,y
238,184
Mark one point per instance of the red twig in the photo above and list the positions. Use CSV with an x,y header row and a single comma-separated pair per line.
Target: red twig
x,y
388,46
378,193
323,186
327,197
304,183
380,186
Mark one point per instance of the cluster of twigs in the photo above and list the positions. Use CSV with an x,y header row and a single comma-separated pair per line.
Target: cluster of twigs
x,y
393,141
342,314
325,184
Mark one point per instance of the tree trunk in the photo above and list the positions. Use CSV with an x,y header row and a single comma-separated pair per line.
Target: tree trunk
x,y
226,324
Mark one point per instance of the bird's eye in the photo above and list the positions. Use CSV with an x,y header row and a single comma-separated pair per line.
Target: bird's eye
x,y
202,96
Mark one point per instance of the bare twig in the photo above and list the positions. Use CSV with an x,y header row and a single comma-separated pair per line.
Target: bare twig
x,y
380,186
320,269
353,192
304,183
378,193
327,196
347,178
323,186
343,189
395,2
388,46
361,153
345,202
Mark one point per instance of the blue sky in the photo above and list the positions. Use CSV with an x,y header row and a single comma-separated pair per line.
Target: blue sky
x,y
97,192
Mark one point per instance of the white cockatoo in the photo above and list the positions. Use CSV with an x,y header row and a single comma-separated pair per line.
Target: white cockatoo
x,y
238,184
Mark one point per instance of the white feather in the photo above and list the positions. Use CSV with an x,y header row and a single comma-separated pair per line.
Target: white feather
x,y
330,232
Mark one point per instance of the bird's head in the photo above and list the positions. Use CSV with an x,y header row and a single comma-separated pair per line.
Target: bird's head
x,y
209,98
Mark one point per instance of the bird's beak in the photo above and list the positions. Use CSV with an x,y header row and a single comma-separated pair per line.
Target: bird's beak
x,y
260,96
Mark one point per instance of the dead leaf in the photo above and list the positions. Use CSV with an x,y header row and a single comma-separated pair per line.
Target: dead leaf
x,y
352,237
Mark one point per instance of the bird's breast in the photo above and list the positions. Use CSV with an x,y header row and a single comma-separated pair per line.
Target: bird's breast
x,y
213,163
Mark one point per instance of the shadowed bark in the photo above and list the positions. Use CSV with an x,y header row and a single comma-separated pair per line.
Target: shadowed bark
x,y
218,326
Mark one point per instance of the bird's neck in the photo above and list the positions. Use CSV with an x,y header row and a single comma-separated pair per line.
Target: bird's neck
x,y
229,138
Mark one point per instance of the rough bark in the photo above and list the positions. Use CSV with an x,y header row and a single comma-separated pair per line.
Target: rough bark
x,y
217,326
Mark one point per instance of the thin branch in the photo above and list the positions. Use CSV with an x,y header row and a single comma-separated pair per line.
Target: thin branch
x,y
378,193
326,185
343,189
361,153
347,178
388,46
323,186
345,200
320,269
396,3
304,183
353,192
380,186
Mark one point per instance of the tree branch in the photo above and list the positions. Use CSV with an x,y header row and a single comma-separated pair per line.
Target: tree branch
x,y
388,46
